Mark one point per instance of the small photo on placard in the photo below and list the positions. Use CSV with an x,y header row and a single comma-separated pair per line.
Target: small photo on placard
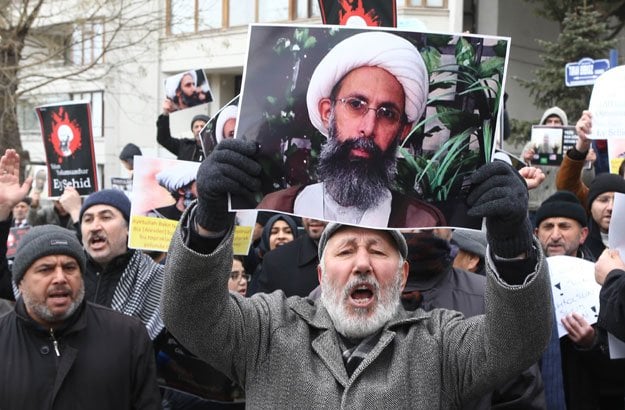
x,y
550,143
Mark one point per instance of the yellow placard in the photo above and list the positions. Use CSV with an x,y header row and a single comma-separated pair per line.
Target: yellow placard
x,y
242,239
150,233
615,164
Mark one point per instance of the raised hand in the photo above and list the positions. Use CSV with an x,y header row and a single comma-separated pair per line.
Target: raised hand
x,y
499,194
11,191
229,169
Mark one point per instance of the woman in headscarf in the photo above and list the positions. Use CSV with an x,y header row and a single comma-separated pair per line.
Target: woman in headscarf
x,y
279,230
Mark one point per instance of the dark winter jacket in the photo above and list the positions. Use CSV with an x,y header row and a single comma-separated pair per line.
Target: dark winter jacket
x,y
99,359
183,148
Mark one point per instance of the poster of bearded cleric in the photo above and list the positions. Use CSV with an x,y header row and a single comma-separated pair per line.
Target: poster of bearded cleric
x,y
371,127
68,143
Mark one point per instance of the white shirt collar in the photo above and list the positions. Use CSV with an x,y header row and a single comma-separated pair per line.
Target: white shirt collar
x,y
314,202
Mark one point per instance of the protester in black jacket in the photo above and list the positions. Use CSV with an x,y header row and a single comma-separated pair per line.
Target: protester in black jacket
x,y
610,274
186,149
62,352
292,267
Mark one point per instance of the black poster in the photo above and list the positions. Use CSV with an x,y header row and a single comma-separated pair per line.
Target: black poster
x,y
359,12
68,143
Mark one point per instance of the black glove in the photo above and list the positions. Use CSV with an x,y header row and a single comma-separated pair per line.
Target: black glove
x,y
500,195
230,168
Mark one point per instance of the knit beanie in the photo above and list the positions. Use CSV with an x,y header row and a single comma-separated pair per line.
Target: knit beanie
x,y
332,228
113,197
605,183
199,117
45,240
562,204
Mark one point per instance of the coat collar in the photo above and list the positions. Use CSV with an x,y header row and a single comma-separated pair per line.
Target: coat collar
x,y
77,321
325,342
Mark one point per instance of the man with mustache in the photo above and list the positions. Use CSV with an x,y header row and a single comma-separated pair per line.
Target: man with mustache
x,y
126,280
365,104
55,342
356,347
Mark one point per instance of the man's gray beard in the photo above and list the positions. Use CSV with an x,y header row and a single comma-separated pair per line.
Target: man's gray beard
x,y
357,325
43,312
360,183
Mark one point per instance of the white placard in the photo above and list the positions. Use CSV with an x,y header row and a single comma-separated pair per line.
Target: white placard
x,y
607,104
574,289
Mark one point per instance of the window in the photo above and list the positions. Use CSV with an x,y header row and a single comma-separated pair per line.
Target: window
x,y
307,9
97,110
241,12
423,3
273,11
210,14
27,117
181,16
87,42
189,16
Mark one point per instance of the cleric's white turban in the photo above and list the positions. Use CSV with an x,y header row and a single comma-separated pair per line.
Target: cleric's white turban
x,y
371,49
172,83
227,113
178,176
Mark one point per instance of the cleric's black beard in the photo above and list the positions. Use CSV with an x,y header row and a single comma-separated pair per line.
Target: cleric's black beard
x,y
191,100
356,182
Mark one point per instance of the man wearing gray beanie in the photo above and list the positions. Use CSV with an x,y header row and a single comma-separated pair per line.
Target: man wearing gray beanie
x,y
51,322
357,337
53,334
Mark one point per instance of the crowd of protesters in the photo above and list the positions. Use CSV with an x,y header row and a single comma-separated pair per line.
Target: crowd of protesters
x,y
317,315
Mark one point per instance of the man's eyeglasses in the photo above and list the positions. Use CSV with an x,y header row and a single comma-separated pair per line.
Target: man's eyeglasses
x,y
358,108
237,275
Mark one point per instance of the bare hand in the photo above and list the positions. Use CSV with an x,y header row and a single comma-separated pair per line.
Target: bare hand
x,y
71,202
533,176
591,156
583,127
580,332
169,106
11,192
609,260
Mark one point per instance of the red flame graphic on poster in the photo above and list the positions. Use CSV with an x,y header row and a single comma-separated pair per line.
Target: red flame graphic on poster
x,y
354,13
65,136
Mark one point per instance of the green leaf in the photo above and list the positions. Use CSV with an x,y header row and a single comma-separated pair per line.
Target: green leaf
x,y
454,118
465,54
432,58
438,40
500,48
310,42
490,67
272,100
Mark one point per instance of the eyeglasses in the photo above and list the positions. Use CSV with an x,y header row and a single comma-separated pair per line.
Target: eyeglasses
x,y
356,107
237,275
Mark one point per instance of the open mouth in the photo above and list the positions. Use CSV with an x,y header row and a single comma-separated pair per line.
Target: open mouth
x,y
59,296
97,241
362,295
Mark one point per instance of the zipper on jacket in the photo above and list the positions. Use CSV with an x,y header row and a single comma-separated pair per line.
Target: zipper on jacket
x,y
97,287
55,343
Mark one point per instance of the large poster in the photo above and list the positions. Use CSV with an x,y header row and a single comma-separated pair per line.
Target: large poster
x,y
359,12
68,143
379,128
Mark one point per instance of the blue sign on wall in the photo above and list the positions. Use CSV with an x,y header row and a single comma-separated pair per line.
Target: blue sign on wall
x,y
584,71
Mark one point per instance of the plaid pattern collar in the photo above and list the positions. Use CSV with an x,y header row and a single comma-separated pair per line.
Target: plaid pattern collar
x,y
354,352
